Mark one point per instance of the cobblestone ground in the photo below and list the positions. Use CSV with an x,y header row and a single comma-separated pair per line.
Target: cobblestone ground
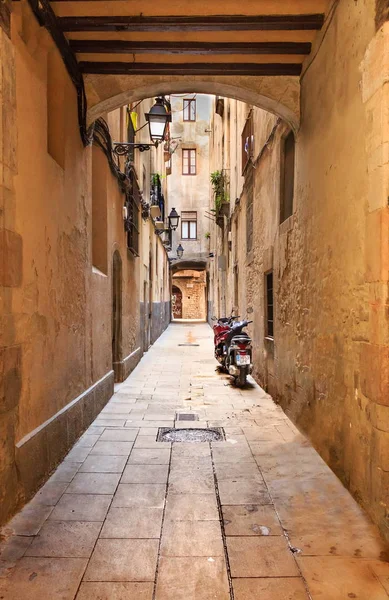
x,y
258,516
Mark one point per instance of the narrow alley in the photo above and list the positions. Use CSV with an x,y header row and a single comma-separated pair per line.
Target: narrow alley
x,y
194,300
258,515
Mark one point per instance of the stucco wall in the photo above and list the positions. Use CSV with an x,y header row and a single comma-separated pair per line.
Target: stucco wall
x,y
57,317
191,192
11,249
328,364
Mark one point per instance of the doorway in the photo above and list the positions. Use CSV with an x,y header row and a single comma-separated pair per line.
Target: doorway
x,y
116,313
176,302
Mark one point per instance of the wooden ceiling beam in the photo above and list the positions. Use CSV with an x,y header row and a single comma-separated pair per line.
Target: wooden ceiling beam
x,y
197,36
129,47
253,69
183,23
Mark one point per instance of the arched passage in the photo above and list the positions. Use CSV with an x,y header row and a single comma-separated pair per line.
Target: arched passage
x,y
278,95
176,302
189,294
255,52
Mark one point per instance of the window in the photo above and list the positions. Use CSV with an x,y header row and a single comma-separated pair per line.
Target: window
x,y
189,225
247,142
287,178
249,217
269,303
156,196
189,110
132,220
189,161
156,256
219,106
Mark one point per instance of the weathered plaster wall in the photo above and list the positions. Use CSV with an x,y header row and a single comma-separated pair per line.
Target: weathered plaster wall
x,y
154,269
191,192
57,327
329,362
11,250
154,295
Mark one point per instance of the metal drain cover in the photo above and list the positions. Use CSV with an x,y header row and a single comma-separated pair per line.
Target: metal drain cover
x,y
187,417
189,344
165,434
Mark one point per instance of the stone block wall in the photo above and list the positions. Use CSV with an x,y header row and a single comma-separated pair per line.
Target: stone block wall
x,y
192,285
328,364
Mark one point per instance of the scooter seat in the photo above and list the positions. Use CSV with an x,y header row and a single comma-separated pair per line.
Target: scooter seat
x,y
241,337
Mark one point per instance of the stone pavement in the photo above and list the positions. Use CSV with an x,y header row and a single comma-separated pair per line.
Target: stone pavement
x,y
257,516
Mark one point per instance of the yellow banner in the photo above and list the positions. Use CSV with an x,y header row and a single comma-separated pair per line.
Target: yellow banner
x,y
134,119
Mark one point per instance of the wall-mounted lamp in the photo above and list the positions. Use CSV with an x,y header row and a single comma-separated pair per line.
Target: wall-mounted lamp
x,y
173,218
158,119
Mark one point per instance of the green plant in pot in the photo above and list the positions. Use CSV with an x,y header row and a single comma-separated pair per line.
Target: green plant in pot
x,y
219,184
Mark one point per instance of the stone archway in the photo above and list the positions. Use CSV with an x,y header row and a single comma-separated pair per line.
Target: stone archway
x,y
190,286
176,302
279,95
255,52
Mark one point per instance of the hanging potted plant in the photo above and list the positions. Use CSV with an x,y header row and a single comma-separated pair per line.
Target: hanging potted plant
x,y
155,210
222,201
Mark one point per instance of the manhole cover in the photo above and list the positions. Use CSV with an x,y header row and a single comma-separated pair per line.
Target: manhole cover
x,y
215,434
187,417
189,344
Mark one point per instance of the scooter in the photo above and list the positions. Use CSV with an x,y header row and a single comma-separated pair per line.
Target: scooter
x,y
239,352
233,347
221,329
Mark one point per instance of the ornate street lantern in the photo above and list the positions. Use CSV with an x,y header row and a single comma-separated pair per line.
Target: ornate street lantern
x,y
174,218
158,119
180,251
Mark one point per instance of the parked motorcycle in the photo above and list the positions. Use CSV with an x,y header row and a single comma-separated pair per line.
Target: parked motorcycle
x,y
233,348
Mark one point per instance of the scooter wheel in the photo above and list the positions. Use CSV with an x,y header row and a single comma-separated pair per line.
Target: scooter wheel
x,y
242,378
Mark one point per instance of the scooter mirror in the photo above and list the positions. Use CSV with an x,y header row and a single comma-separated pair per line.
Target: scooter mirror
x,y
213,318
